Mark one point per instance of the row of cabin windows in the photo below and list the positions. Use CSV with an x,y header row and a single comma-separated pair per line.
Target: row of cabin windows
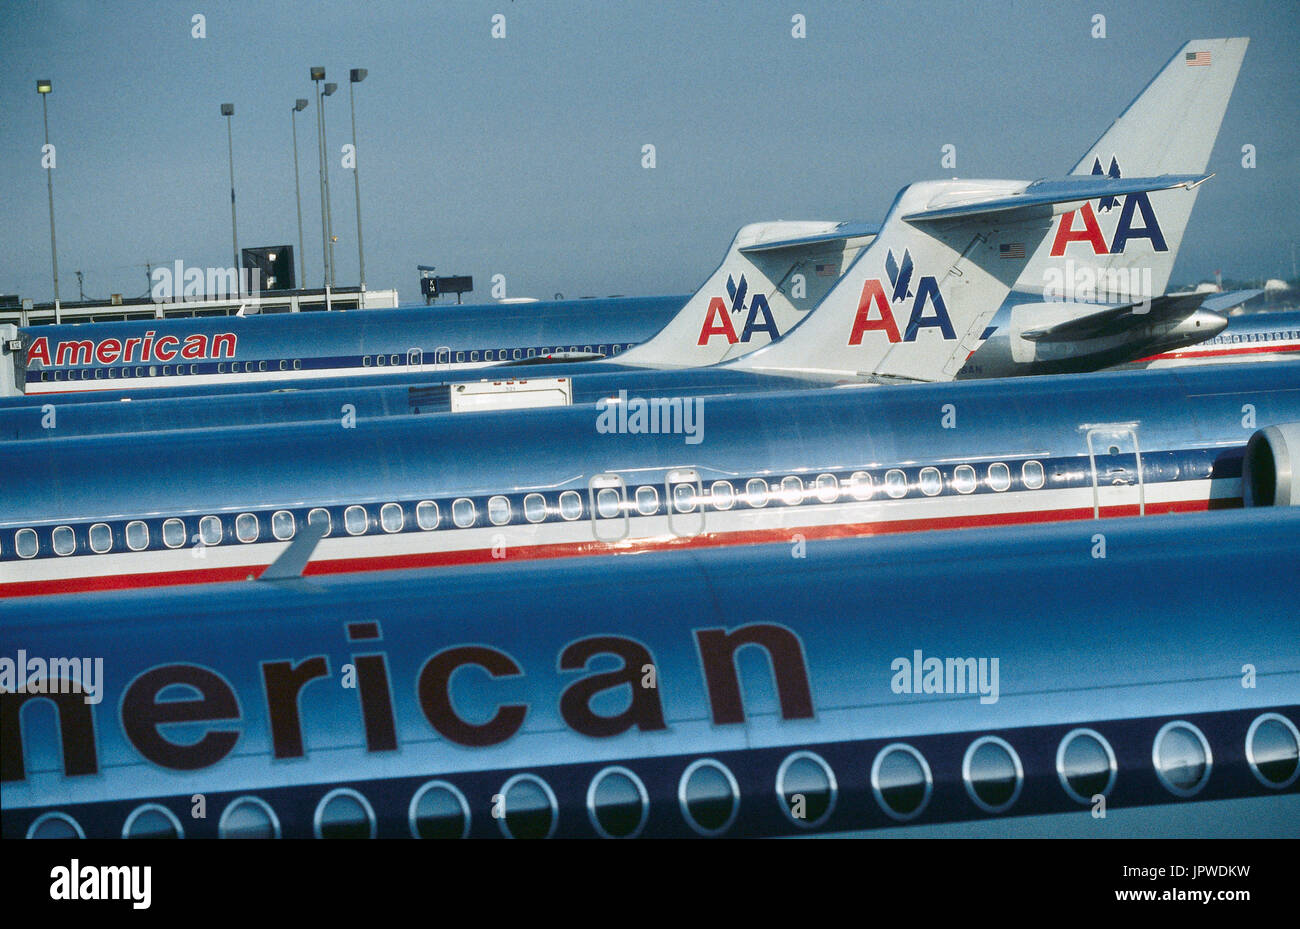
x,y
248,367
609,504
496,355
709,796
235,367
1277,335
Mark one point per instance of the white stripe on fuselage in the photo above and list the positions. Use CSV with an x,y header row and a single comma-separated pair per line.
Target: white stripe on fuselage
x,y
644,532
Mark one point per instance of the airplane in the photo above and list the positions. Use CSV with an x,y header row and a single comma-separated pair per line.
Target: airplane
x,y
196,355
1132,250
1083,680
853,333
634,474
1247,338
1252,337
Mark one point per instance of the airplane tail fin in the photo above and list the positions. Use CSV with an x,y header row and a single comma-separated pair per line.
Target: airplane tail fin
x,y
772,275
1169,129
915,302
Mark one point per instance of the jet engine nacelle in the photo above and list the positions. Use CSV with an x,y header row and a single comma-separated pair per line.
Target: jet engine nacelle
x,y
1268,475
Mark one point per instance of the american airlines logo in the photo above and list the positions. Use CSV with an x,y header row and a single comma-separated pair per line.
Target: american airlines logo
x,y
875,313
1091,233
717,319
138,349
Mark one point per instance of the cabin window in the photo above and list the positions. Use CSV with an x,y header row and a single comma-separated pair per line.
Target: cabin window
x,y
463,513
246,527
321,516
570,505
26,544
1085,764
1273,750
534,508
101,538
931,481
439,811
709,796
647,500
684,498
722,495
344,814
64,540
999,476
607,502
1182,758
901,781
137,535
791,491
860,485
356,520
992,774
1031,472
248,818
828,488
426,515
391,517
173,533
498,510
152,821
617,803
756,492
806,775
210,532
964,479
283,525
55,825
895,483
529,808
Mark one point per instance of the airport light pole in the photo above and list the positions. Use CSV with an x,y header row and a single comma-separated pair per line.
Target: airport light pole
x,y
318,75
356,76
299,105
43,88
329,211
228,110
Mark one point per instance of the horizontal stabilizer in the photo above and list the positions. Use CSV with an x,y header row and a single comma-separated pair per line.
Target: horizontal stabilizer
x,y
842,231
1218,303
1075,189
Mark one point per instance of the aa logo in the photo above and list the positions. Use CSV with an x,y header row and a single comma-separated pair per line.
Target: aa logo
x,y
1135,203
717,319
875,313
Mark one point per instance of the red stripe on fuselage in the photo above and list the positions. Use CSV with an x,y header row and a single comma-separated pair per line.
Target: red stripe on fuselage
x,y
582,549
1221,352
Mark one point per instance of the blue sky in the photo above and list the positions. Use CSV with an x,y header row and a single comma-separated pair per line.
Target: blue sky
x,y
521,156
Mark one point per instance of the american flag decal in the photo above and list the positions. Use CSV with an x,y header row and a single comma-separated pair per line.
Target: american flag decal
x,y
1011,250
828,270
1197,59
